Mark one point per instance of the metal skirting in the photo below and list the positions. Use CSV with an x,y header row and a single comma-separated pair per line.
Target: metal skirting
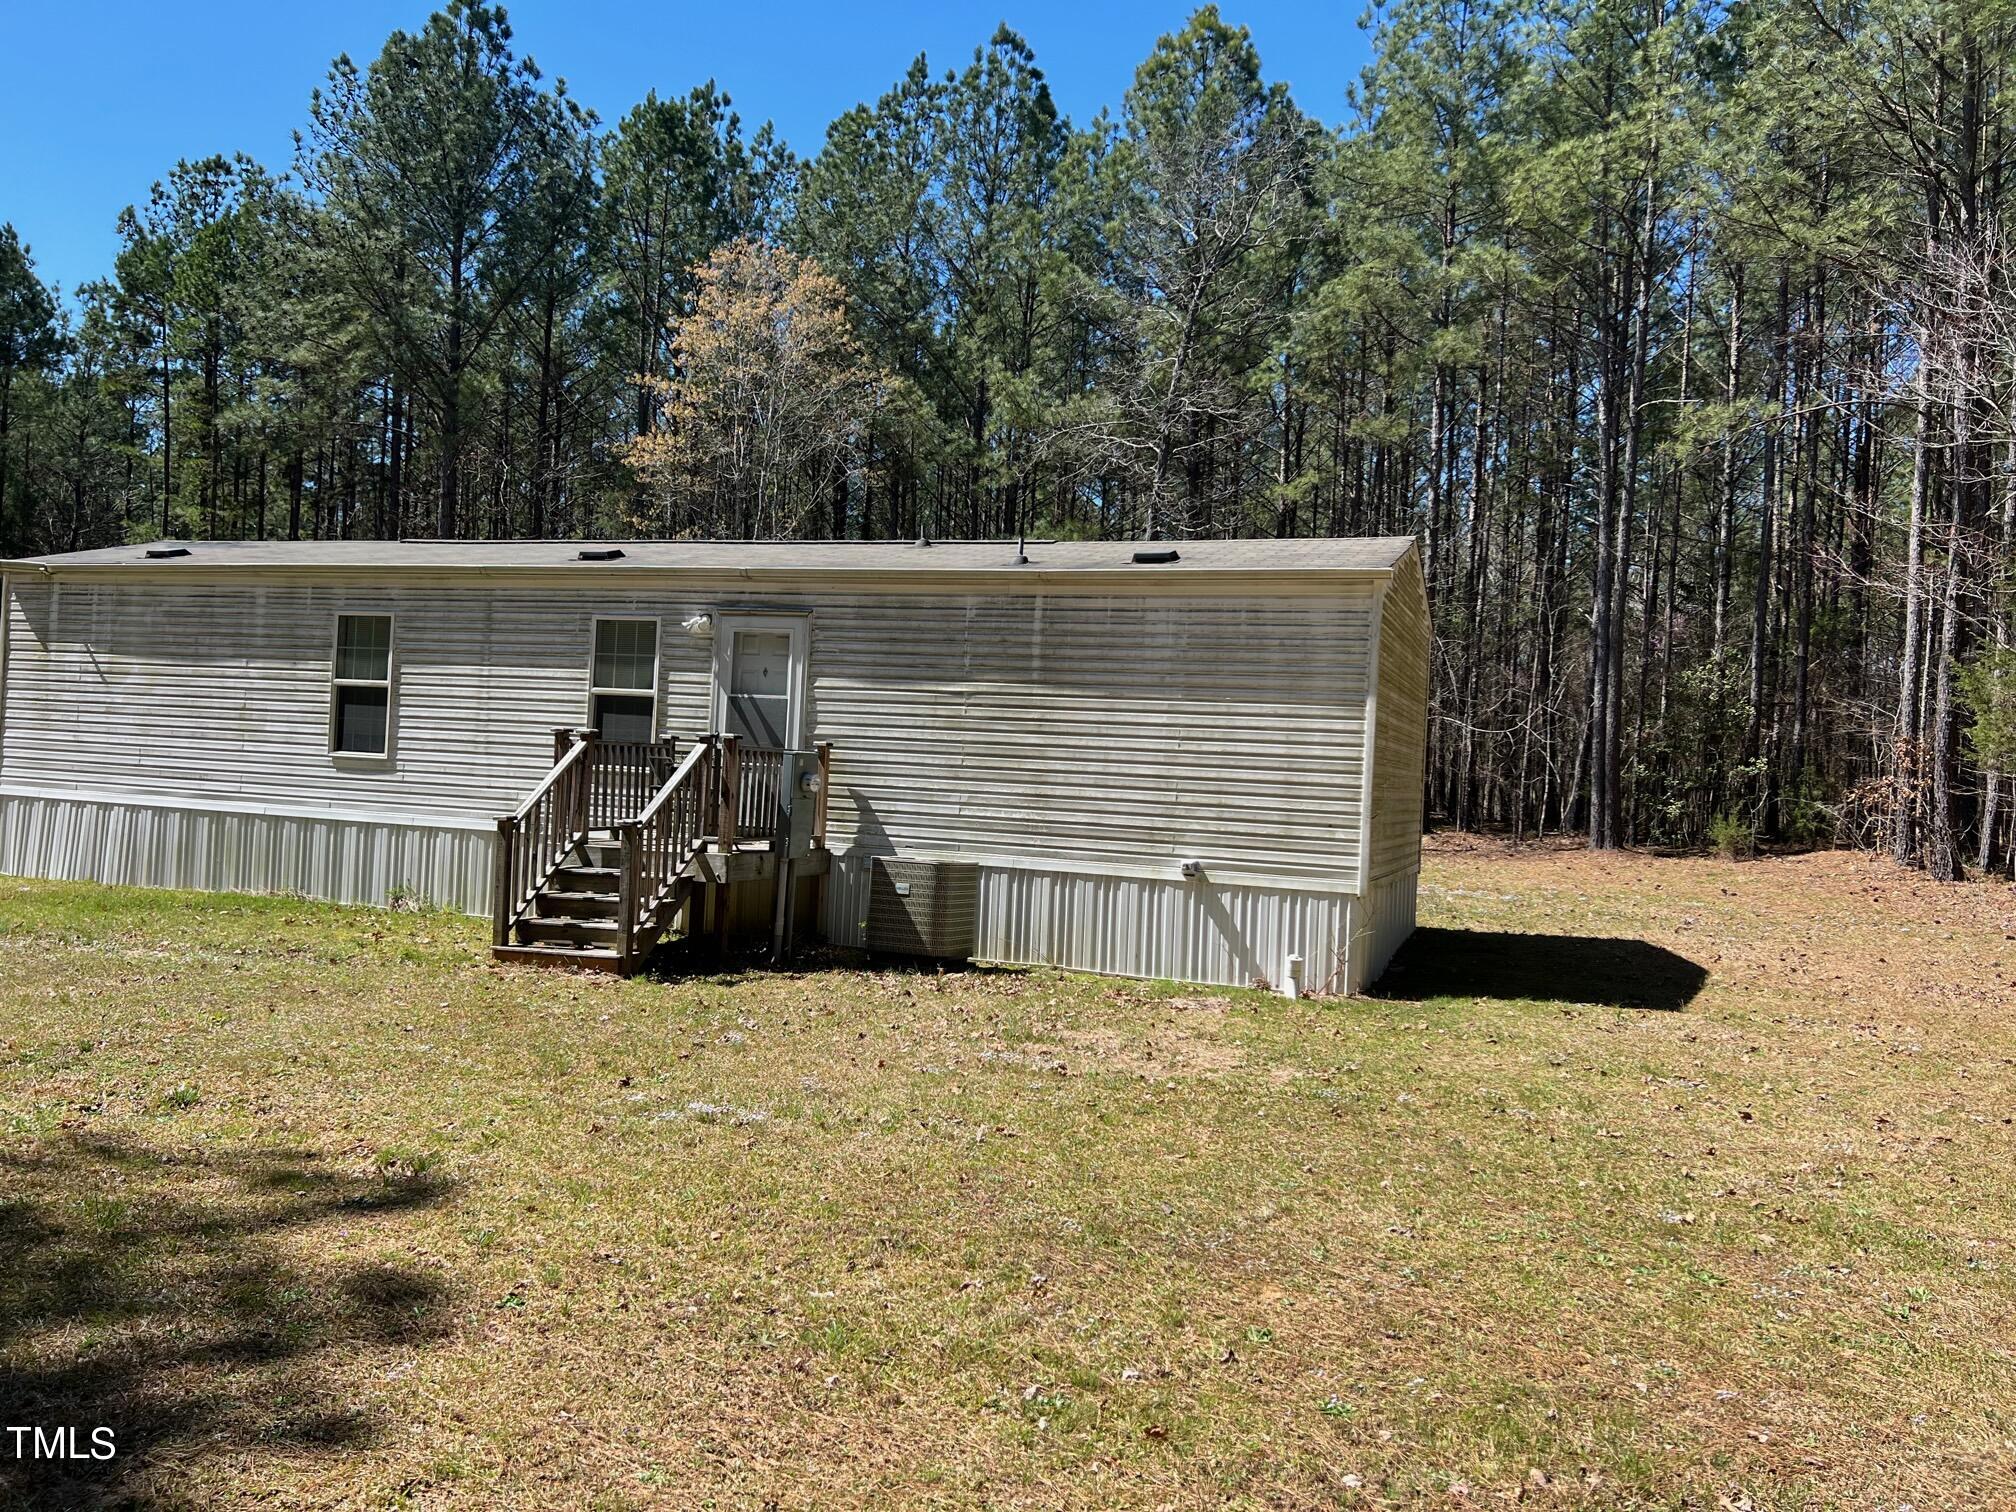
x,y
1203,931
1213,933
221,850
1388,920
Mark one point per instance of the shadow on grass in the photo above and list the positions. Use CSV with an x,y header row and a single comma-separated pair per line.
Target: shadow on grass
x,y
698,959
164,1297
1614,973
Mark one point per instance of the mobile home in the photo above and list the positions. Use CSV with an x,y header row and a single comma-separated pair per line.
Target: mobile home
x,y
1199,761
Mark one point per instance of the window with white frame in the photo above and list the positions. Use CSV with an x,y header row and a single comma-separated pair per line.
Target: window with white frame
x,y
360,706
623,679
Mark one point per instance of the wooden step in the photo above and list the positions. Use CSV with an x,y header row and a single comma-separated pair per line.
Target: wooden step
x,y
535,929
557,955
554,904
589,879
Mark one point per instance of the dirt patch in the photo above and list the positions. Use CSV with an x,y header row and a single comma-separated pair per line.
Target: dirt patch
x,y
1216,1006
1187,1040
1167,1053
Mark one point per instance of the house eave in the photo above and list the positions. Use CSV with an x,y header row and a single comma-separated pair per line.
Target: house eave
x,y
994,578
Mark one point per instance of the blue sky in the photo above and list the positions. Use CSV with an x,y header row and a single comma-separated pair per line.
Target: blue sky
x,y
98,100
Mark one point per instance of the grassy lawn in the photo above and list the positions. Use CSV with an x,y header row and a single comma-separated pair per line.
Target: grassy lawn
x,y
1700,1192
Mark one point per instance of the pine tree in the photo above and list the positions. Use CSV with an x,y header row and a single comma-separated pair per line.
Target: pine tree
x,y
29,345
451,178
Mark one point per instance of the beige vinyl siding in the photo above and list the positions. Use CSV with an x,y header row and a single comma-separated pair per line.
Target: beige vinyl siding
x,y
1089,727
1099,729
222,692
1400,741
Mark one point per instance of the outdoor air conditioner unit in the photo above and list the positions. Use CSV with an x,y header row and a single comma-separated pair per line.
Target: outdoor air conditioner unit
x,y
923,908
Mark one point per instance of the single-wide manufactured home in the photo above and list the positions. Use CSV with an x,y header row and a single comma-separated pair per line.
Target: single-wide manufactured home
x,y
1199,761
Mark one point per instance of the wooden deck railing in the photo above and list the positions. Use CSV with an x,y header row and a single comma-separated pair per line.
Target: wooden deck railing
x,y
660,841
537,837
757,794
752,780
625,775
662,814
825,750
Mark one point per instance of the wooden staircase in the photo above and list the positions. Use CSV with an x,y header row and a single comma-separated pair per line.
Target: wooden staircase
x,y
604,857
576,917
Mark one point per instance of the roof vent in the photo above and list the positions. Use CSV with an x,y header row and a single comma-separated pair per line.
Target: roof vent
x,y
599,554
161,553
1151,558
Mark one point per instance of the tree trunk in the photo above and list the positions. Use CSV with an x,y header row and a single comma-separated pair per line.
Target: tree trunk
x,y
1612,795
1909,743
1725,522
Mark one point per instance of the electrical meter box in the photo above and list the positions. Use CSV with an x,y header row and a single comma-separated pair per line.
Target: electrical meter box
x,y
798,803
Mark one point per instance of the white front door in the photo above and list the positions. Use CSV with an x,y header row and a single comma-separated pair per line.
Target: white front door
x,y
760,679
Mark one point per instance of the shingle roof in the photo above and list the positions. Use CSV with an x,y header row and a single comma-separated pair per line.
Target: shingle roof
x,y
1358,554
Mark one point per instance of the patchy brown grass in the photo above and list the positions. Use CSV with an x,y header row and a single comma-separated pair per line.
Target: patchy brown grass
x,y
1643,1182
